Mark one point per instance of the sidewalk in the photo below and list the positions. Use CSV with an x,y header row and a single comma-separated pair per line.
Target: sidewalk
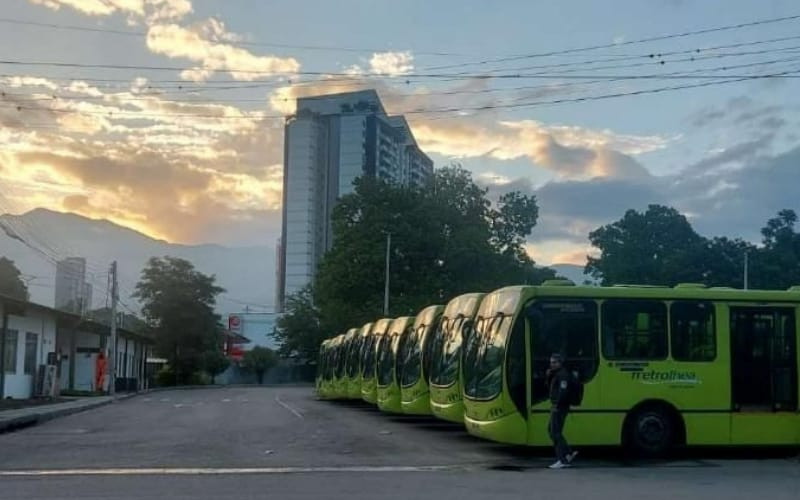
x,y
13,419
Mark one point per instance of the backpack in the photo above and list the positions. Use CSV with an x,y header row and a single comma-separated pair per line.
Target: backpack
x,y
575,389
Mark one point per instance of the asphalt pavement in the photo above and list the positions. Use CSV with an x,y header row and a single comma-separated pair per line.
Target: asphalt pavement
x,y
282,443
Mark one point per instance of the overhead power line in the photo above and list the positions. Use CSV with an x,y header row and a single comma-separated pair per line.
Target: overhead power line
x,y
235,43
155,91
714,80
627,43
587,79
610,96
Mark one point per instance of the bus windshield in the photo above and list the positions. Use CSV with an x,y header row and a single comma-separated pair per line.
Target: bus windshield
x,y
340,358
353,356
368,355
483,357
409,360
444,369
385,360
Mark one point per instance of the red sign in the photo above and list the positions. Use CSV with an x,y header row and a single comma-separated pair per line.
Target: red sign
x,y
234,324
236,353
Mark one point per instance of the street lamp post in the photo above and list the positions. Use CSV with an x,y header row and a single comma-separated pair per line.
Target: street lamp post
x,y
386,287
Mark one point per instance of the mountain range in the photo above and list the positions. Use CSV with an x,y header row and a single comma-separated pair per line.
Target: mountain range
x,y
246,273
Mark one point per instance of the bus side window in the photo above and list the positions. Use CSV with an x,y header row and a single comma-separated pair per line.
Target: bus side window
x,y
634,329
568,327
515,372
693,331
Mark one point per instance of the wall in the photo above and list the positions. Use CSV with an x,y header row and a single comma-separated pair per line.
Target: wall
x,y
303,201
87,346
18,384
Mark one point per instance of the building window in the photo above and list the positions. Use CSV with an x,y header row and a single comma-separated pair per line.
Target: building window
x,y
634,329
31,351
693,336
10,361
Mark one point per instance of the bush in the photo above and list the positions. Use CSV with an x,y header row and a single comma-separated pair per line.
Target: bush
x,y
165,377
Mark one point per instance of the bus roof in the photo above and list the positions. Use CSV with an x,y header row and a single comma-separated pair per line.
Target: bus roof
x,y
465,304
400,324
427,315
507,298
381,325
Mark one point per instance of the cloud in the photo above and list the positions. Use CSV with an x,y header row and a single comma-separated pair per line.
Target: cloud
x,y
206,43
570,152
151,10
188,172
175,41
735,154
391,63
722,202
76,202
740,111
96,7
167,197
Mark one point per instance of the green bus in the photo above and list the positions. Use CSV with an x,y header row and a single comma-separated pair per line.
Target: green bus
x,y
322,381
445,369
413,362
338,381
386,366
355,360
369,387
352,377
660,366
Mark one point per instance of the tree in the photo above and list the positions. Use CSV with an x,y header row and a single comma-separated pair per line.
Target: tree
x,y
724,261
447,239
657,247
214,363
178,305
298,331
259,360
777,264
11,283
660,247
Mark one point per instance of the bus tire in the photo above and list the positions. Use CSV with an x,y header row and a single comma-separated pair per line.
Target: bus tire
x,y
651,431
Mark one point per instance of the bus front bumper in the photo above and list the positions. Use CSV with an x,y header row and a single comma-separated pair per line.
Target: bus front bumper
x,y
421,405
354,390
369,392
452,412
510,429
389,399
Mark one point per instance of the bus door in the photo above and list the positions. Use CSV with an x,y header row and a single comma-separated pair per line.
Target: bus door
x,y
764,375
568,327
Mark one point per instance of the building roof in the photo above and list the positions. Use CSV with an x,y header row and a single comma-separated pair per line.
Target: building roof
x,y
22,306
235,338
331,104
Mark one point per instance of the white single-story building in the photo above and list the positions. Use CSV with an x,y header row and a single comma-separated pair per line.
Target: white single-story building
x,y
34,337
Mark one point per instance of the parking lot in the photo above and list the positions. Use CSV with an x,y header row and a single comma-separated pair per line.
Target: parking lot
x,y
283,443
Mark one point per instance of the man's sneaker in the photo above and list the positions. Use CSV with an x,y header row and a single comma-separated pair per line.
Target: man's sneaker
x,y
559,465
571,456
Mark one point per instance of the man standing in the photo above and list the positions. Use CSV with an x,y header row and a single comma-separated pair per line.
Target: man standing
x,y
559,380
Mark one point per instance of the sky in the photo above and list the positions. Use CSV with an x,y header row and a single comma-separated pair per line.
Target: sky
x,y
167,116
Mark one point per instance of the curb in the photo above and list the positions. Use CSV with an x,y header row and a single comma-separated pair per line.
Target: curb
x,y
35,418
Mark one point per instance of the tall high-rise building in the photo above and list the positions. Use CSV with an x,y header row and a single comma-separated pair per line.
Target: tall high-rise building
x,y
73,293
329,142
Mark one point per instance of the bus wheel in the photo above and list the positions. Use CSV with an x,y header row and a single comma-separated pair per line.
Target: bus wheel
x,y
651,431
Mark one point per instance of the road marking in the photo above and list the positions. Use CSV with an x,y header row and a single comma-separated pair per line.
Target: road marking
x,y
198,471
294,411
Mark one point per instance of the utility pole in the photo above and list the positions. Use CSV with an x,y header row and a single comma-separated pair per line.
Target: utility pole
x,y
386,288
112,357
746,270
3,334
